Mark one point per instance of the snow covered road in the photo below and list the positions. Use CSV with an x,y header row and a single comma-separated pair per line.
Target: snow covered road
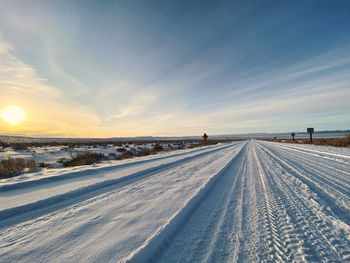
x,y
249,201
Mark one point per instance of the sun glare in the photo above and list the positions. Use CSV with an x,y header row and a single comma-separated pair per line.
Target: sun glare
x,y
13,115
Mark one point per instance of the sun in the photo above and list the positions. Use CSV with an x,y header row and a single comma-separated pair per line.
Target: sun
x,y
13,115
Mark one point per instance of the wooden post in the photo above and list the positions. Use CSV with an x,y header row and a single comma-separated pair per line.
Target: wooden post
x,y
310,131
293,134
205,137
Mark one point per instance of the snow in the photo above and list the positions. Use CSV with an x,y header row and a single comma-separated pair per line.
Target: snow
x,y
248,201
51,154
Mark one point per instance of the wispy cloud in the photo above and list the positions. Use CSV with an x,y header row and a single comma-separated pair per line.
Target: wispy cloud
x,y
49,111
138,105
121,69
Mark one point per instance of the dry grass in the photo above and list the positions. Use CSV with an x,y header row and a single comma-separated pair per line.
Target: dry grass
x,y
125,155
143,151
85,158
337,142
158,148
13,166
95,143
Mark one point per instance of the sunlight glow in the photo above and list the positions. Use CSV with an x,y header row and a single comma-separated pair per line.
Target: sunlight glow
x,y
13,115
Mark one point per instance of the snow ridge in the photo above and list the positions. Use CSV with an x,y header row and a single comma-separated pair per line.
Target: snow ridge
x,y
86,172
155,243
55,202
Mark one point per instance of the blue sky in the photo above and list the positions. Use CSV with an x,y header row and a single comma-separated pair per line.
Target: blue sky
x,y
137,68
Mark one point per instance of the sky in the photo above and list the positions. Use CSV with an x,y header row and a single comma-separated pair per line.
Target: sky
x,y
174,68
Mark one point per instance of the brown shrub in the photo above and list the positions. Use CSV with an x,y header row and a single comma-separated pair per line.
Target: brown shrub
x,y
85,158
11,167
45,165
143,152
31,163
158,148
120,149
19,146
125,155
61,160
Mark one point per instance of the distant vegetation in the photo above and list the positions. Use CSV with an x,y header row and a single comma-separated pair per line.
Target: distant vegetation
x,y
85,158
337,142
13,166
70,144
124,150
26,145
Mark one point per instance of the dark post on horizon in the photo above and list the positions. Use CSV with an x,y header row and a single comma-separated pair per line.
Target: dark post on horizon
x,y
293,134
310,131
205,138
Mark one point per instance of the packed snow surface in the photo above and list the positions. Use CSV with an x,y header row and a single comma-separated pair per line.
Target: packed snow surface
x,y
249,201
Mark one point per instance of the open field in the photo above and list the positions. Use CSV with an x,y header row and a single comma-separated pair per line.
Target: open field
x,y
245,201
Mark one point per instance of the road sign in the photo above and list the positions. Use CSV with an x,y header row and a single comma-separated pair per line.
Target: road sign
x,y
310,130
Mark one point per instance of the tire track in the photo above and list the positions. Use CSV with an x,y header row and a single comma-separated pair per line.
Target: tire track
x,y
278,235
273,223
318,153
320,240
327,198
321,177
256,203
188,227
227,239
330,176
